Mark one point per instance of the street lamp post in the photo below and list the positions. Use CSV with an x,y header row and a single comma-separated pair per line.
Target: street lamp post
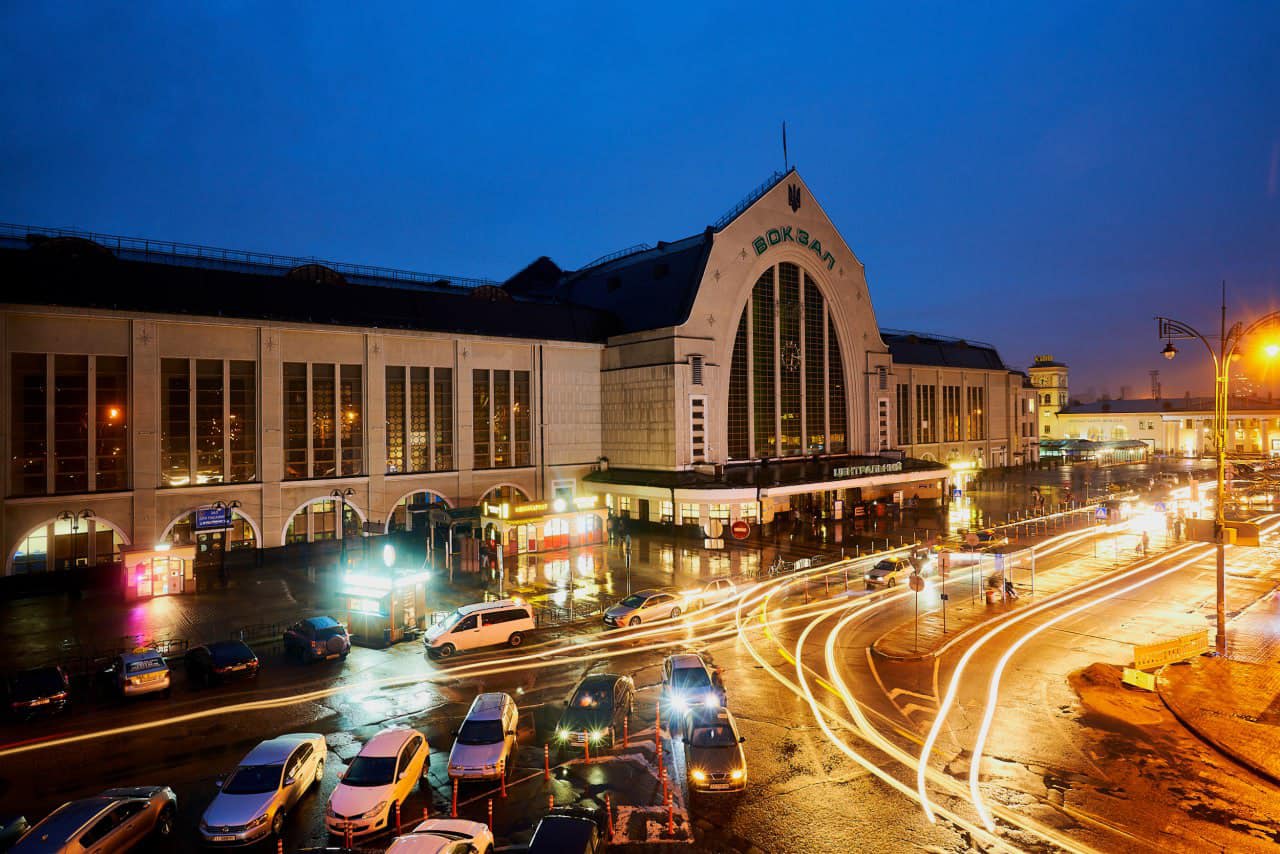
x,y
1228,341
342,495
74,519
228,509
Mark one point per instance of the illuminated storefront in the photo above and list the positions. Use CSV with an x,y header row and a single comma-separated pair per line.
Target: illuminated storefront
x,y
161,571
383,606
543,526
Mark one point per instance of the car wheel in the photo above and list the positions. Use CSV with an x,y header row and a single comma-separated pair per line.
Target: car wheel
x,y
446,650
634,621
319,772
515,640
675,612
893,582
164,824
277,824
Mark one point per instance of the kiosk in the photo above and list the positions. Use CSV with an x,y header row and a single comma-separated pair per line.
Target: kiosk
x,y
383,606
542,526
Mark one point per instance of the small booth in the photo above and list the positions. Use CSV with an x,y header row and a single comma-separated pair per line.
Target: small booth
x,y
543,526
163,570
383,606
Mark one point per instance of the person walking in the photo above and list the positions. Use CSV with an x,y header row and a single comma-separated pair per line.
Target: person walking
x,y
1146,543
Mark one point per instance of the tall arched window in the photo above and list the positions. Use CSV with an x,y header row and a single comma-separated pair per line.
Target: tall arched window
x,y
786,382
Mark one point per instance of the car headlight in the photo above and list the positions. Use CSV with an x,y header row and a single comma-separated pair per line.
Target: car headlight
x,y
699,776
679,704
737,773
257,822
597,735
711,700
562,734
376,811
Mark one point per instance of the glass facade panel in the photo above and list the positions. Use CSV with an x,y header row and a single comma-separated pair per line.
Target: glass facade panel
x,y
523,417
926,414
904,414
111,432
324,520
815,370
977,417
324,438
28,426
739,439
480,418
789,357
351,399
71,423
242,429
762,365
443,402
501,419
395,420
836,389
951,413
419,419
209,386
296,423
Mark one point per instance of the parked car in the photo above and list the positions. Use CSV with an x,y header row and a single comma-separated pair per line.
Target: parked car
x,y
486,742
688,682
484,624
39,691
596,709
714,592
12,826
569,830
445,836
644,607
143,671
382,775
252,803
116,820
713,751
212,663
317,638
888,572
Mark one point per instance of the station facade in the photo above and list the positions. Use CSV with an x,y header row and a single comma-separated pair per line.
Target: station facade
x,y
736,374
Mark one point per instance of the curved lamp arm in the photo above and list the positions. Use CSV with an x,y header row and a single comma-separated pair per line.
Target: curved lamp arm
x,y
1170,329
1238,333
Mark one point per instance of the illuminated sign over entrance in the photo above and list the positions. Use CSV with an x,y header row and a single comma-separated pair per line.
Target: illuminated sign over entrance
x,y
859,471
791,234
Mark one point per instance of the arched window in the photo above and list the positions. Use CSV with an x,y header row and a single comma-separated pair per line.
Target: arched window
x,y
317,520
786,384
410,512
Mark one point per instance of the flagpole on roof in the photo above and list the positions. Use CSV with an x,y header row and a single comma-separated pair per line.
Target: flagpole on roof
x,y
786,165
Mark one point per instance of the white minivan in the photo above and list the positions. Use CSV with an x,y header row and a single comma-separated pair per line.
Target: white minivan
x,y
486,741
484,624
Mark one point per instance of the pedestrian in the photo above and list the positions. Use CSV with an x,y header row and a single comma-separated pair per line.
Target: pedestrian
x,y
1146,543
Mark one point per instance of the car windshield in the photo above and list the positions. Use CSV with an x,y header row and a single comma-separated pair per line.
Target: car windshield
x,y
592,697
883,568
480,732
38,683
253,780
635,600
370,771
720,735
451,620
142,665
690,679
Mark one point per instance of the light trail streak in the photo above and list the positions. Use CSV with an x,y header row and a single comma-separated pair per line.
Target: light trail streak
x,y
993,691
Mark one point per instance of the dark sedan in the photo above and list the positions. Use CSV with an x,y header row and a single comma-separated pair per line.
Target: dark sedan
x,y
596,710
39,691
221,660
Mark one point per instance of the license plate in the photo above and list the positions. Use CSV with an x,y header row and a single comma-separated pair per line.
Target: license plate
x,y
331,657
42,701
237,667
224,839
718,786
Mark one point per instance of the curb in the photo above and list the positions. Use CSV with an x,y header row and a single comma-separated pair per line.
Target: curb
x,y
1230,754
922,656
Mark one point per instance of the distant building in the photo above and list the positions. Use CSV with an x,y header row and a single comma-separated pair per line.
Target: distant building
x,y
1181,426
1049,378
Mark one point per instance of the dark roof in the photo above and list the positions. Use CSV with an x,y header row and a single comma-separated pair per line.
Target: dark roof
x,y
766,474
648,288
915,348
1177,404
93,280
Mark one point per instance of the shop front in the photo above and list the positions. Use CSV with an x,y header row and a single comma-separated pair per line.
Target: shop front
x,y
383,606
543,526
164,570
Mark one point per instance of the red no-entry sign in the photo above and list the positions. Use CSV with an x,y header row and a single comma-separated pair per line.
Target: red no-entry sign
x,y
740,529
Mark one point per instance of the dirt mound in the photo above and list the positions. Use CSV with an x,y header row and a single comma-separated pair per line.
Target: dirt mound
x,y
1103,695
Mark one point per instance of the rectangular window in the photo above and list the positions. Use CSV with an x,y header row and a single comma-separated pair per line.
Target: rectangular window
x,y
762,345
624,506
815,370
28,426
395,419
324,438
351,401
419,419
71,423
698,428
926,400
951,413
836,391
324,520
443,418
242,416
688,514
739,441
904,414
175,422
480,418
719,512
523,418
976,428
790,357
296,422
501,419
748,512
111,433
208,420
667,512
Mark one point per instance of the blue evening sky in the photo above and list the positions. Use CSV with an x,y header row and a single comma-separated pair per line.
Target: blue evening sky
x,y
1043,176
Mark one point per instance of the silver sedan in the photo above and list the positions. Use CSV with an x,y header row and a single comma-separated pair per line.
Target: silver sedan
x,y
116,820
252,803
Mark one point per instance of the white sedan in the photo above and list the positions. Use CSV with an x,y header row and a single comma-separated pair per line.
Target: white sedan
x,y
445,836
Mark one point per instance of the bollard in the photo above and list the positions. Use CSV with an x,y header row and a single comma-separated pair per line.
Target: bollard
x,y
657,724
626,728
586,745
551,802
425,816
491,815
453,807
502,777
546,761
666,791
806,591
608,810
397,803
279,846
671,819
846,578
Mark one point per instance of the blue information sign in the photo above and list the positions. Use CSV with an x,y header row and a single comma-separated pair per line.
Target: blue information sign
x,y
1160,508
955,492
1101,512
213,518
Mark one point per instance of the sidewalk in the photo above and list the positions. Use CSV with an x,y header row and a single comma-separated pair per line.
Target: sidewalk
x,y
1233,702
967,608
